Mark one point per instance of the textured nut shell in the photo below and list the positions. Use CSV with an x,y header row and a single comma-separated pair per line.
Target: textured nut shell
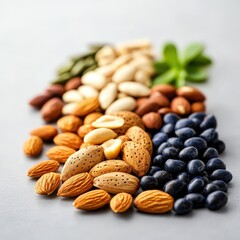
x,y
43,167
91,117
134,89
60,153
85,129
69,123
191,93
92,200
116,182
46,132
112,148
33,146
110,166
47,183
121,202
108,121
181,106
76,185
166,89
84,145
154,201
107,95
124,138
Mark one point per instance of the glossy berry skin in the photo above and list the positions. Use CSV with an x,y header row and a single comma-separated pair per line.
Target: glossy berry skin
x,y
162,177
184,122
195,186
195,167
196,123
221,174
221,185
216,200
197,199
184,177
174,166
170,152
182,206
158,161
220,146
210,153
158,139
203,178
199,115
153,169
209,188
196,142
188,153
214,164
168,129
185,133
171,118
148,183
175,142
163,146
208,122
210,136
175,188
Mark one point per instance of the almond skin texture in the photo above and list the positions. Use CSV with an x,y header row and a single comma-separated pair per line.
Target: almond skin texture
x,y
69,123
60,153
76,185
165,110
33,146
92,200
148,106
160,99
121,202
73,83
166,89
91,117
154,201
39,100
68,139
110,166
84,145
191,93
43,167
137,157
46,132
57,90
47,183
181,106
198,107
152,120
85,129
117,182
82,161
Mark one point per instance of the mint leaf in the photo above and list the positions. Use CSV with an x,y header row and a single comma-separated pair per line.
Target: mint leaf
x,y
200,61
166,77
191,52
160,67
170,54
197,75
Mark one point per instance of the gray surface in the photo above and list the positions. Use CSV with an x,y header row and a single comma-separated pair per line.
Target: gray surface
x,y
36,37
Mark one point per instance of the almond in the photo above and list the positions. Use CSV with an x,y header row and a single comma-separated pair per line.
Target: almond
x,y
116,182
166,89
84,145
85,129
160,99
46,132
52,109
69,123
43,167
124,138
92,200
73,83
181,106
57,90
47,183
137,157
39,100
165,110
152,120
76,185
141,101
198,107
108,121
121,202
154,201
60,153
148,106
91,117
33,146
110,166
68,139
191,93
82,161
112,148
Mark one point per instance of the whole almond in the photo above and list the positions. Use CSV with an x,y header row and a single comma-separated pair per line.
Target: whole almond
x,y
84,145
46,132
121,202
43,167
72,96
154,201
161,99
33,146
146,107
85,129
124,73
87,91
68,139
76,185
60,153
164,110
39,100
73,83
191,93
198,107
141,101
92,200
166,89
47,183
152,120
52,109
181,106
69,123
134,89
116,182
91,117
57,90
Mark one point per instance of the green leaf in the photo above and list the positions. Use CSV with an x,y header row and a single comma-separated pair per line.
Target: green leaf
x,y
160,67
181,79
200,61
166,77
191,52
170,54
197,75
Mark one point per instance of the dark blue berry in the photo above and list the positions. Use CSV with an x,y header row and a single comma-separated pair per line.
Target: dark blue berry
x,y
196,142
210,153
209,188
195,167
162,177
203,178
216,200
214,164
175,188
184,122
195,186
221,184
163,146
171,118
185,133
174,166
220,146
197,199
159,138
159,161
221,174
170,152
199,115
208,122
168,129
176,142
196,123
184,176
182,206
210,136
153,169
188,153
148,182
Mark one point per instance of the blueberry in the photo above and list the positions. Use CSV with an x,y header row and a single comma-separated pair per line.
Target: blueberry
x,y
148,182
158,161
174,166
210,136
182,206
196,123
188,153
214,164
221,174
204,179
205,174
209,188
197,199
208,122
185,133
220,146
176,142
199,115
195,167
153,169
171,118
159,138
162,177
210,153
195,186
196,142
221,184
163,146
168,129
184,176
175,188
216,200
170,152
184,122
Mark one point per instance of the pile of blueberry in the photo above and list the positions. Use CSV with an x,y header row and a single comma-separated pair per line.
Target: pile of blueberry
x,y
186,163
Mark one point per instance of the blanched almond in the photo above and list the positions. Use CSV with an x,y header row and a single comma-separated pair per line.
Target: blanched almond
x,y
108,121
112,148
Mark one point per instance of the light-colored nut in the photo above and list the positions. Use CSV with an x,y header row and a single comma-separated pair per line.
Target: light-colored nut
x,y
142,77
152,120
85,129
91,117
84,145
124,138
94,79
122,104
72,96
108,121
122,95
112,148
107,70
134,89
121,60
124,73
105,55
87,91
